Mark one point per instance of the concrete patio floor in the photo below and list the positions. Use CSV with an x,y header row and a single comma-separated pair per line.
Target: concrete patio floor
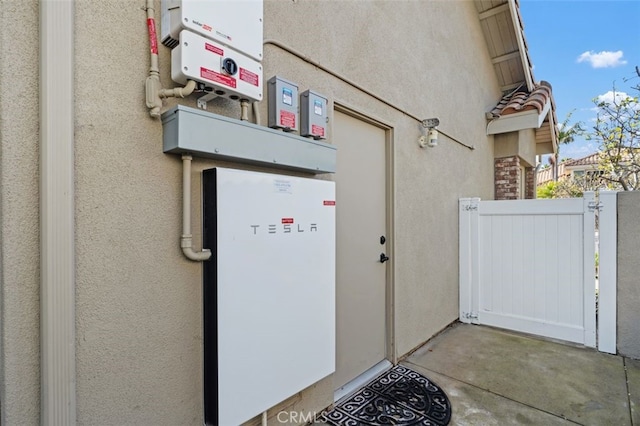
x,y
496,377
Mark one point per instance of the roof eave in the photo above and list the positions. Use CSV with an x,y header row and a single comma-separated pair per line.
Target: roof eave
x,y
515,20
531,119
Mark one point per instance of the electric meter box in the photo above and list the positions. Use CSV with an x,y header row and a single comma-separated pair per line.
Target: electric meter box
x,y
313,115
283,104
236,24
221,69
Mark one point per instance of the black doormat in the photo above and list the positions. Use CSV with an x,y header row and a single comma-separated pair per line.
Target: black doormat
x,y
399,396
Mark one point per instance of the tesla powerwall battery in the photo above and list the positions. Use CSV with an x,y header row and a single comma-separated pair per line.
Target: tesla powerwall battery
x,y
269,290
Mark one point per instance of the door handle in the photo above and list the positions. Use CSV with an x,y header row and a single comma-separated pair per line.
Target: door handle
x,y
383,257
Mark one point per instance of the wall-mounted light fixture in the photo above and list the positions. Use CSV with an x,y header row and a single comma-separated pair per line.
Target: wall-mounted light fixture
x,y
429,139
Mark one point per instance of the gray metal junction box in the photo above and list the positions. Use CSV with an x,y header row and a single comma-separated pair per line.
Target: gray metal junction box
x,y
204,134
313,115
283,104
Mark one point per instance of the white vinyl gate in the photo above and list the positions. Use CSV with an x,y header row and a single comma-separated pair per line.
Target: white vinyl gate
x,y
529,266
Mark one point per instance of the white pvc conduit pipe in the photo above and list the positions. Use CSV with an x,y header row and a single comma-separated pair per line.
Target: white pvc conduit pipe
x,y
153,88
244,110
186,240
256,112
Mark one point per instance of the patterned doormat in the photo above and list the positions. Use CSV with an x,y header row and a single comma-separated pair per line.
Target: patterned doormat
x,y
399,396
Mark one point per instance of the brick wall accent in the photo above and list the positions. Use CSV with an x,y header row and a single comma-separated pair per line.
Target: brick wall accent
x,y
530,183
507,178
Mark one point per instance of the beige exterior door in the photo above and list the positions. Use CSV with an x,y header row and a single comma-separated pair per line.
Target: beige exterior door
x,y
361,278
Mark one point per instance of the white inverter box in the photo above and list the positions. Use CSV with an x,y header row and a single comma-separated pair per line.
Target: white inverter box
x,y
269,290
220,69
234,23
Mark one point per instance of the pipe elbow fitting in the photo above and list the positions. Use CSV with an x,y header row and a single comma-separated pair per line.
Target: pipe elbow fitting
x,y
189,253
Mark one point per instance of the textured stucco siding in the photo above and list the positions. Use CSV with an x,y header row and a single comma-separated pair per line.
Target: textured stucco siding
x,y
628,272
19,214
138,300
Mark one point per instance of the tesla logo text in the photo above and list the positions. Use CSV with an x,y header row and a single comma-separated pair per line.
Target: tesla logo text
x,y
285,228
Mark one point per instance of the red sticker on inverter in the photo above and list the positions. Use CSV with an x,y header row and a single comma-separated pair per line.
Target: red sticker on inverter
x,y
287,119
217,77
249,77
214,49
317,130
329,203
287,220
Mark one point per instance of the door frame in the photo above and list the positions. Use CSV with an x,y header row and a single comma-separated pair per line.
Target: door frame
x,y
345,108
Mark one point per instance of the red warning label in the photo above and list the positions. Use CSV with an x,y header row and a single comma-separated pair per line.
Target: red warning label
x,y
287,119
287,220
217,77
249,77
153,38
214,49
329,203
317,130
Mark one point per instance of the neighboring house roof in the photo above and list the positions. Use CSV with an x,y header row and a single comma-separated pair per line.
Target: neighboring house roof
x,y
525,104
590,162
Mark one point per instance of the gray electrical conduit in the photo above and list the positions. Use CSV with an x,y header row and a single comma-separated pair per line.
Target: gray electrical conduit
x,y
352,84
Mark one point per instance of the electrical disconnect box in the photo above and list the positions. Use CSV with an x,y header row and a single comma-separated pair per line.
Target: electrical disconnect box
x,y
236,24
283,104
221,69
313,115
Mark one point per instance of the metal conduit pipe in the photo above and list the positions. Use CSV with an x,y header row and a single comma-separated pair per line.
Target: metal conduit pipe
x,y
186,240
354,85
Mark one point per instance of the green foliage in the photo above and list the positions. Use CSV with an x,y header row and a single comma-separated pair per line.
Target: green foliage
x,y
546,190
567,132
571,186
617,131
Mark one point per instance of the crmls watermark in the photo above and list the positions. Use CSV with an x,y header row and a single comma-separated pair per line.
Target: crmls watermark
x,y
299,417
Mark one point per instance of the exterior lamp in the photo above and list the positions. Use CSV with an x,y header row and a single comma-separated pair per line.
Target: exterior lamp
x,y
431,137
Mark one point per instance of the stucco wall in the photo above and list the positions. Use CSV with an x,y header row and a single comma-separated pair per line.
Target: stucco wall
x,y
19,235
138,301
430,70
521,143
628,272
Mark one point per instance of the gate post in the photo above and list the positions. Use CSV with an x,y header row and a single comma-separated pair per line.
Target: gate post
x,y
468,259
589,274
607,276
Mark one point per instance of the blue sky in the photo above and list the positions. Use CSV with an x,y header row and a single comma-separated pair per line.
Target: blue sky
x,y
583,48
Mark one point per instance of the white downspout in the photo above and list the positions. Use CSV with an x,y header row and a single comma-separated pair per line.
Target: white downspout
x,y
187,239
57,223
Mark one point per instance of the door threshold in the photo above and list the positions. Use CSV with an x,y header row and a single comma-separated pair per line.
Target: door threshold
x,y
361,380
